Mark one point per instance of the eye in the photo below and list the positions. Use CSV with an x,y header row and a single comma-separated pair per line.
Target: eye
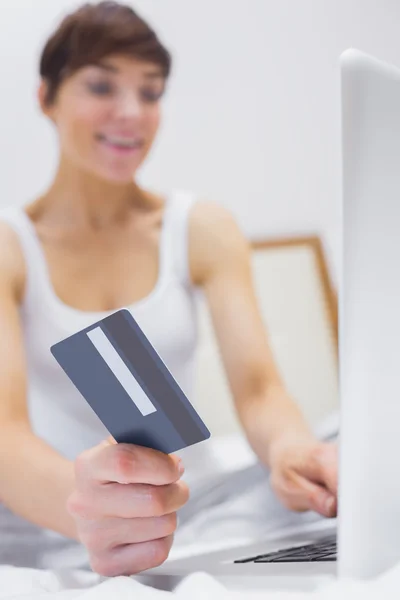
x,y
101,88
150,95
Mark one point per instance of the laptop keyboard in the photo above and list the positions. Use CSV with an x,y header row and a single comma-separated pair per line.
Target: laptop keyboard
x,y
321,551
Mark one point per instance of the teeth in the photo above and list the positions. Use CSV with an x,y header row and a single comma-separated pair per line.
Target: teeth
x,y
122,142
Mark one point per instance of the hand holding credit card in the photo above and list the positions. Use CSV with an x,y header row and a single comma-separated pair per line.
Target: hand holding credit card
x,y
126,383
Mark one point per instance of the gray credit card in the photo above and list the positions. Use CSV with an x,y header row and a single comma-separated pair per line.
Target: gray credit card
x,y
126,383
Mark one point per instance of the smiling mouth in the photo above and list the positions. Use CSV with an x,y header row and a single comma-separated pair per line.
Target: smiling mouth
x,y
121,143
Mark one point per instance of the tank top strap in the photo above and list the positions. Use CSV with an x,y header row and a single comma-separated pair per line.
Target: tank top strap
x,y
177,233
36,270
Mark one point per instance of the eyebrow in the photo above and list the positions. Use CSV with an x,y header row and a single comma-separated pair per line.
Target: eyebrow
x,y
106,67
112,69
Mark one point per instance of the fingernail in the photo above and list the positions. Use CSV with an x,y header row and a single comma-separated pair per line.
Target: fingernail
x,y
181,468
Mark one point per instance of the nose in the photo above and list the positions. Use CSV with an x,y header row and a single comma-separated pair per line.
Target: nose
x,y
129,106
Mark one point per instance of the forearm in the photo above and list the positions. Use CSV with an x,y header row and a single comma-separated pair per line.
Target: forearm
x,y
35,480
271,418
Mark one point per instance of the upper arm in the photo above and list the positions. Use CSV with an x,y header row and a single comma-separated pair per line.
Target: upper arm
x,y
220,259
13,406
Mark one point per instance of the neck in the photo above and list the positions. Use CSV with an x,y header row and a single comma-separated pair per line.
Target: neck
x,y
80,199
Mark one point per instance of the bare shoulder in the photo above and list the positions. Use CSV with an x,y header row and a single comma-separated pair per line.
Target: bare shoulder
x,y
215,240
12,264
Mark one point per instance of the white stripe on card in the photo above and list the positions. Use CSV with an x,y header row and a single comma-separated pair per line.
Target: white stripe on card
x,y
121,371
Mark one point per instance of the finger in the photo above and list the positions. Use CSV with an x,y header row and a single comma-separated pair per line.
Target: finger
x,y
109,533
289,493
299,494
140,500
321,467
133,558
329,465
315,497
128,501
127,463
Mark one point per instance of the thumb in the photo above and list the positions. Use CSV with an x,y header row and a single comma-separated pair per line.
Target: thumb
x,y
108,441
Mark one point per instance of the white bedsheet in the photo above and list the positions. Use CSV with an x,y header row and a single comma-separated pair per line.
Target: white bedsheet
x,y
24,584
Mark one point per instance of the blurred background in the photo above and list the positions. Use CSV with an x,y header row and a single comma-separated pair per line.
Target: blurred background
x,y
251,120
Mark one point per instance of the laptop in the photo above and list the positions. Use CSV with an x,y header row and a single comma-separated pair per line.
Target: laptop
x,y
364,540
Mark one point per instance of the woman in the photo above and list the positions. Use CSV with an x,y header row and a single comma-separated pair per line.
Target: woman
x,y
93,243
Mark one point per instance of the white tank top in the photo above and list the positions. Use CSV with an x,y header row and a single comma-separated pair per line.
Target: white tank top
x,y
58,413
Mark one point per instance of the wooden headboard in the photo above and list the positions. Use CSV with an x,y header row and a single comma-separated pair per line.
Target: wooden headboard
x,y
313,242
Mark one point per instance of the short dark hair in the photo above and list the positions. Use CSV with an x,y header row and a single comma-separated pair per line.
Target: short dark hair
x,y
93,32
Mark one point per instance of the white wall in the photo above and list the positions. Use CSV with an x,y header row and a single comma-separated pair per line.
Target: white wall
x,y
252,115
252,120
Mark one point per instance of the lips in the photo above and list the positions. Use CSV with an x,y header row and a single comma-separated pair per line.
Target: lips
x,y
121,142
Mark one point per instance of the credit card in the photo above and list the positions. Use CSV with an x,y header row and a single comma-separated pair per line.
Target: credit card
x,y
124,380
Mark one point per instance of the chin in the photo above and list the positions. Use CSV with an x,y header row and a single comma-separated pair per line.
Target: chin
x,y
116,176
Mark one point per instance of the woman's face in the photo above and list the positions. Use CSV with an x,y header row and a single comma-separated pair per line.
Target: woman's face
x,y
107,116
